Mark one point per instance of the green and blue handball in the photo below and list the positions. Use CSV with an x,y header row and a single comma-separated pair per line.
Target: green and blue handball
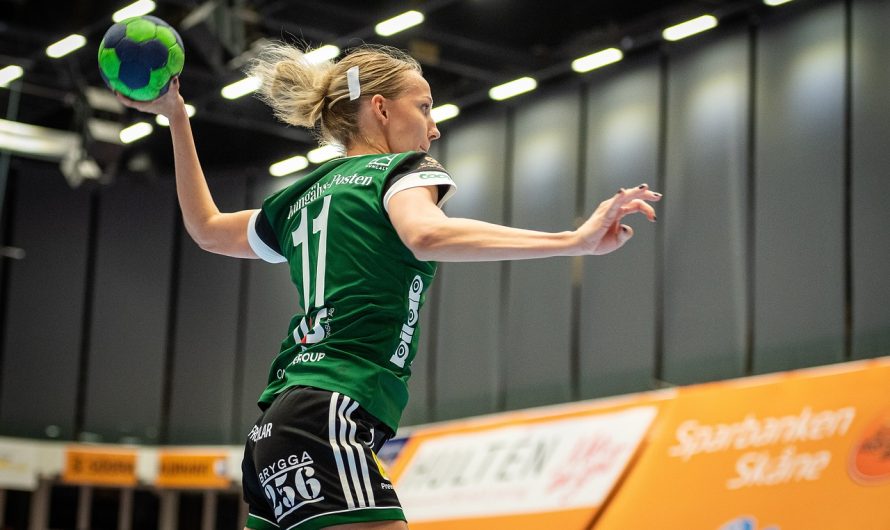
x,y
139,56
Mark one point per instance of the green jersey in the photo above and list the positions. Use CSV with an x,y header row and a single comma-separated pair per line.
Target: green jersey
x,y
360,288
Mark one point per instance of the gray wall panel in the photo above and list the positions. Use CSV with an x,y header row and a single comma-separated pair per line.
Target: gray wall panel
x,y
44,317
617,330
538,328
206,334
871,158
799,248
131,304
469,348
706,214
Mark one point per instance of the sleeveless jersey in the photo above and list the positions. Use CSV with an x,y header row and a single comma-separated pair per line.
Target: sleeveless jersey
x,y
360,288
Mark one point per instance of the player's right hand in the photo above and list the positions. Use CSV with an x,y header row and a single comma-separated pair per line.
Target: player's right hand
x,y
603,232
167,105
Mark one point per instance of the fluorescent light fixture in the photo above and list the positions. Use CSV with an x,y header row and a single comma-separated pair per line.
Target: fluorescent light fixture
x,y
286,167
39,142
597,60
65,46
136,9
399,23
444,112
513,88
690,27
104,130
775,2
324,153
136,131
103,99
324,53
164,122
241,88
9,74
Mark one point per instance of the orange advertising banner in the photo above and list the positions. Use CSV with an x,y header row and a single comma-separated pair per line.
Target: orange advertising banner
x,y
800,450
187,469
99,467
529,470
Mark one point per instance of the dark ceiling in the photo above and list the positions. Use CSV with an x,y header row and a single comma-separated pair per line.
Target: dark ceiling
x,y
465,47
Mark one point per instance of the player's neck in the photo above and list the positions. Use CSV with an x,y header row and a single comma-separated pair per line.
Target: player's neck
x,y
365,147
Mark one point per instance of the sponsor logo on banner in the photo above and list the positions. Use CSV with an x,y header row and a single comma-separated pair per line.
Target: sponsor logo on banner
x,y
870,461
771,443
103,468
192,470
745,523
17,466
391,450
526,468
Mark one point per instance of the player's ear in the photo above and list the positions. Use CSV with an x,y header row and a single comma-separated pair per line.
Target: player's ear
x,y
378,107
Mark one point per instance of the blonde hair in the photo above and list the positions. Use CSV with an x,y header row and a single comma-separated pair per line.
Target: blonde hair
x,y
316,95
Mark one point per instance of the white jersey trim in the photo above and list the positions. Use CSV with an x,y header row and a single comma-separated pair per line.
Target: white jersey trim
x,y
260,248
421,179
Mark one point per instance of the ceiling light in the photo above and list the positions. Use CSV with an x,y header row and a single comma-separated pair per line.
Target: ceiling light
x,y
399,23
164,122
513,88
444,112
241,88
9,74
135,132
322,54
137,9
65,46
104,130
775,2
324,153
286,167
40,142
597,60
689,28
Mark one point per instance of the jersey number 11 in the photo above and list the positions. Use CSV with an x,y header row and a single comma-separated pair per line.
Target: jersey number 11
x,y
301,238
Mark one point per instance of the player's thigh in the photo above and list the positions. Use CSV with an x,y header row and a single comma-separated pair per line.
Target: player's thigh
x,y
379,525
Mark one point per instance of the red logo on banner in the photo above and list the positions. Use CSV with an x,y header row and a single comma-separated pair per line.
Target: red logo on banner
x,y
870,461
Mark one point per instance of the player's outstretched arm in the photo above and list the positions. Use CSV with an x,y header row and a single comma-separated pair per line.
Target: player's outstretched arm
x,y
222,233
431,235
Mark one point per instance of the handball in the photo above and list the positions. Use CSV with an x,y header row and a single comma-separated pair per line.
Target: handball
x,y
139,56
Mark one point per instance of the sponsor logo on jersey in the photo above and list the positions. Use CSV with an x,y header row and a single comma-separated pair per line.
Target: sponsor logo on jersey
x,y
260,431
308,357
429,162
355,178
318,190
426,175
313,328
289,484
381,163
401,354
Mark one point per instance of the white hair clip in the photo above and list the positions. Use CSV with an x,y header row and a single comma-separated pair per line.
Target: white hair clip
x,y
355,89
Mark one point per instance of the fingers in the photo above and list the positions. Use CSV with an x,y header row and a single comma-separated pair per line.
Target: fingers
x,y
640,192
624,234
638,205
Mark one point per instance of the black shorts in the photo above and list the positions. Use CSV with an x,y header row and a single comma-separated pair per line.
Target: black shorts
x,y
310,462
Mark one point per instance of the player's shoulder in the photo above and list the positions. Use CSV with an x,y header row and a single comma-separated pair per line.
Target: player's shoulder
x,y
420,162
